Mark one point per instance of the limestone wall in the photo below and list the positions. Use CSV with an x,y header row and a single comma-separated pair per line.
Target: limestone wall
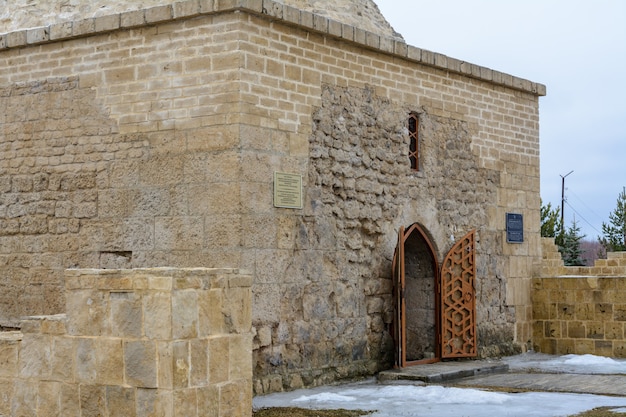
x,y
150,138
24,14
146,342
580,310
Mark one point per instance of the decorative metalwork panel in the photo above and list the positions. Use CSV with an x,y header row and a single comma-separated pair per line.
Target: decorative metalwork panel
x,y
414,143
458,302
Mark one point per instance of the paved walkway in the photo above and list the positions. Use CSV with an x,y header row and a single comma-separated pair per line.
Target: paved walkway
x,y
496,375
574,383
443,371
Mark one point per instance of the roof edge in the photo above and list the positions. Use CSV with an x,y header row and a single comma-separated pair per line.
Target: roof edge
x,y
271,9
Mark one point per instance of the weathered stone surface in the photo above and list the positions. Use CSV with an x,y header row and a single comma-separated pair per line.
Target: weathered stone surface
x,y
208,401
240,363
6,387
184,314
69,400
120,401
126,314
185,402
158,315
351,172
198,358
235,398
34,358
116,371
237,320
110,361
91,318
20,14
24,401
219,360
86,361
153,403
166,364
63,360
181,365
576,310
9,349
174,167
93,400
140,364
210,316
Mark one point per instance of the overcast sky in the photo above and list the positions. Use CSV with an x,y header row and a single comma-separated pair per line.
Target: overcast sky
x,y
578,50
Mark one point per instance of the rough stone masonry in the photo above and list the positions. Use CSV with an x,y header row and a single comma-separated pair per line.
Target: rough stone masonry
x,y
149,137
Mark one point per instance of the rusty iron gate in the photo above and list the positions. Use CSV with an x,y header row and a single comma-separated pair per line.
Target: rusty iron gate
x,y
455,309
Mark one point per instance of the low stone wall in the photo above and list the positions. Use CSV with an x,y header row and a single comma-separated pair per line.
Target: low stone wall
x,y
580,310
134,343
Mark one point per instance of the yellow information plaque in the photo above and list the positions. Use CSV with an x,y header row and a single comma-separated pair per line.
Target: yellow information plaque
x,y
287,190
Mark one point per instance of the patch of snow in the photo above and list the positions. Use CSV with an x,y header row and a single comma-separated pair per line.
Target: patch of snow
x,y
574,364
324,397
588,360
438,401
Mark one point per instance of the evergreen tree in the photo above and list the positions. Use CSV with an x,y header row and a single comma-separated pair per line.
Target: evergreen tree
x,y
570,247
550,224
614,233
549,220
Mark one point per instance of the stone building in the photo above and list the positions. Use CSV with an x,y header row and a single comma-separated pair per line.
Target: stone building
x,y
286,140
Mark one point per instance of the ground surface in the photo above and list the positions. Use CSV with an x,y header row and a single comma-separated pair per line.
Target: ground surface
x,y
302,412
599,412
534,385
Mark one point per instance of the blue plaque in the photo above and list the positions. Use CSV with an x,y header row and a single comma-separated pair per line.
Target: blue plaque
x,y
514,228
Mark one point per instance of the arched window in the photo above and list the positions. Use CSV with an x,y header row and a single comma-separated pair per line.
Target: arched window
x,y
414,142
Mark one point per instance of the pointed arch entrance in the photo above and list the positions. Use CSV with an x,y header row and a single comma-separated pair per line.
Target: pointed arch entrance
x,y
434,305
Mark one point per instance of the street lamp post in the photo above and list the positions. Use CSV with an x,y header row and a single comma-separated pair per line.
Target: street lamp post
x,y
563,196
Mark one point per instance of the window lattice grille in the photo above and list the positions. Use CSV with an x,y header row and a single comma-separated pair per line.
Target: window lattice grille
x,y
414,145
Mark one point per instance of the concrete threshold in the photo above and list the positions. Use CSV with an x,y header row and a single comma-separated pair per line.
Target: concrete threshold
x,y
443,371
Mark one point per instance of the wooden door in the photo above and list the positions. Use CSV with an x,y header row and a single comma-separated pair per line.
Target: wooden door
x,y
458,300
409,319
455,309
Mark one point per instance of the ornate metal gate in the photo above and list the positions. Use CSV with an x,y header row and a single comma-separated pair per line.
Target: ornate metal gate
x,y
458,302
456,305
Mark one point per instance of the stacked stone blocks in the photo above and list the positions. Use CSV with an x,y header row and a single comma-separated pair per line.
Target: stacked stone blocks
x,y
146,342
187,9
580,310
151,138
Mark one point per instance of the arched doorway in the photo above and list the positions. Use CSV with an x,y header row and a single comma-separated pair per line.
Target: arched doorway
x,y
434,305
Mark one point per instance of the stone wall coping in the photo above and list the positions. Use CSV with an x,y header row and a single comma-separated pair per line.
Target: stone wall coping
x,y
51,317
11,336
270,9
161,271
161,278
585,276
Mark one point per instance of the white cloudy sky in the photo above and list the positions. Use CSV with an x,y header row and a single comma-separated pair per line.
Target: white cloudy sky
x,y
578,50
